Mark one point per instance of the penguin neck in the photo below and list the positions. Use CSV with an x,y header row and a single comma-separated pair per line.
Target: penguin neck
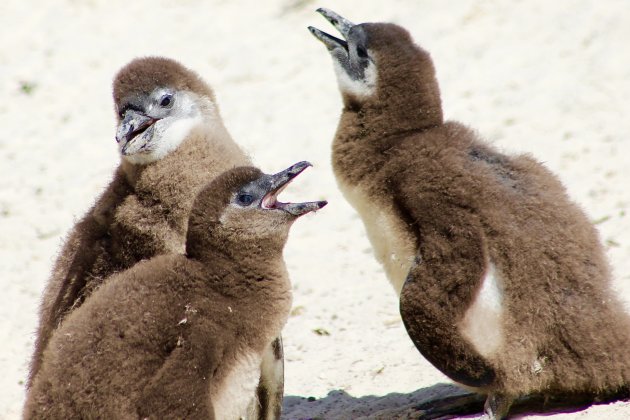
x,y
406,100
257,259
173,182
169,185
203,244
194,146
392,117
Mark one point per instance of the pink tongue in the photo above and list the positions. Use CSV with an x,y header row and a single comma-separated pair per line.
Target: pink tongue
x,y
269,201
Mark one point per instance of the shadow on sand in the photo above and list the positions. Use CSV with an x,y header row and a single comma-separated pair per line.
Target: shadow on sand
x,y
440,401
339,404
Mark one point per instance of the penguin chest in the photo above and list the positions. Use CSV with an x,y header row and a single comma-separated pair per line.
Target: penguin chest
x,y
237,389
394,246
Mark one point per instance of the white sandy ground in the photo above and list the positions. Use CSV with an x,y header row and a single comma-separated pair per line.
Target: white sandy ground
x,y
548,78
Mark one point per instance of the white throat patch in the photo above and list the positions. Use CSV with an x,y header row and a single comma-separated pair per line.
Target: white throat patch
x,y
359,88
169,135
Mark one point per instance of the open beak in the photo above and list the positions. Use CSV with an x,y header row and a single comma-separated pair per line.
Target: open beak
x,y
342,24
132,124
278,182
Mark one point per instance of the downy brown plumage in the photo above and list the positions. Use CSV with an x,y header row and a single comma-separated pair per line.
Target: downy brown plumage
x,y
181,336
169,151
503,282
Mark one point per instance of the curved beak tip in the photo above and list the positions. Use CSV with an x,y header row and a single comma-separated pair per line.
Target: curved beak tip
x,y
297,168
340,23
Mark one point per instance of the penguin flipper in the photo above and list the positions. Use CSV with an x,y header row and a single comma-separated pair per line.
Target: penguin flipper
x,y
179,387
440,287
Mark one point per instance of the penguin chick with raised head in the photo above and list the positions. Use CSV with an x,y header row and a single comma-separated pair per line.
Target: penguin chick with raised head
x,y
172,142
181,336
503,282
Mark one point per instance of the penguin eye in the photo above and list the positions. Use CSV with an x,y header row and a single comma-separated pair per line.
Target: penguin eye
x,y
244,199
166,100
361,51
122,111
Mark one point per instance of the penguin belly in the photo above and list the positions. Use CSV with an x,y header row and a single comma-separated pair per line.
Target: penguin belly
x,y
482,324
393,245
267,403
234,394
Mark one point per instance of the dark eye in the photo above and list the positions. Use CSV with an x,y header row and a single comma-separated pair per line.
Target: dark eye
x,y
166,100
122,111
361,51
244,199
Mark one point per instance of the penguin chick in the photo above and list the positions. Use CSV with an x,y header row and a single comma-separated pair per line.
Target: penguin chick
x,y
503,281
181,336
172,143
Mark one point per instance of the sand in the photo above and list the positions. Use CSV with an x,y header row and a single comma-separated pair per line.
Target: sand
x,y
548,78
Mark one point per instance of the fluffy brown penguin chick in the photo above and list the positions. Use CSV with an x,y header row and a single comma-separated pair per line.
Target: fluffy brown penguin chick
x,y
181,336
172,143
503,281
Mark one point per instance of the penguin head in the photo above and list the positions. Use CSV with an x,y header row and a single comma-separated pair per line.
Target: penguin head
x,y
352,57
240,208
158,102
379,62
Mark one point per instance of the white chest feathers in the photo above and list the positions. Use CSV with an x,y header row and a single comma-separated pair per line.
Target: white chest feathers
x,y
482,324
234,394
394,247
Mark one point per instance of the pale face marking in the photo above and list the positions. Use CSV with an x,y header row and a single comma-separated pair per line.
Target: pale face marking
x,y
361,88
167,133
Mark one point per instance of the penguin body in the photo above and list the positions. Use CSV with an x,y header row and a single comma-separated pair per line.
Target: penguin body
x,y
144,210
181,336
172,142
503,281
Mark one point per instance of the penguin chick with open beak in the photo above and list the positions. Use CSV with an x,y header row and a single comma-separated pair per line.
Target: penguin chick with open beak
x,y
181,336
503,282
155,118
172,143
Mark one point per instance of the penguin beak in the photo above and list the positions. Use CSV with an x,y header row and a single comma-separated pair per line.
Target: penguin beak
x,y
278,182
132,124
342,24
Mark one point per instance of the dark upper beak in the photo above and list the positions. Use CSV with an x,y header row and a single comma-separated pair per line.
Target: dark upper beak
x,y
342,24
133,123
277,182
